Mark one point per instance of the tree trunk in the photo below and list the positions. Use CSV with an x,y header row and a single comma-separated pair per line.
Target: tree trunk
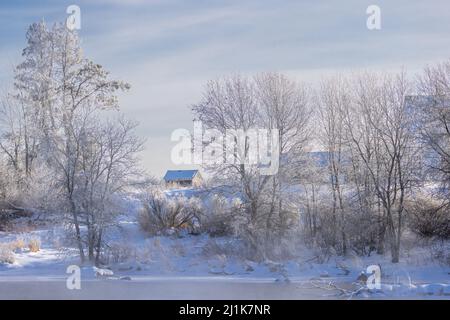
x,y
77,232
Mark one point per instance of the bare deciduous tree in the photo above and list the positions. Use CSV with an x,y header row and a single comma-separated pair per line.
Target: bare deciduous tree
x,y
391,163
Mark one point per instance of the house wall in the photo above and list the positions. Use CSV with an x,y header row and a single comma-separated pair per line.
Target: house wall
x,y
178,184
197,181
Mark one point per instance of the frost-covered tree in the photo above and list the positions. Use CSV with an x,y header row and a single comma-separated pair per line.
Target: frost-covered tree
x,y
230,104
380,129
433,107
284,106
268,101
332,99
59,123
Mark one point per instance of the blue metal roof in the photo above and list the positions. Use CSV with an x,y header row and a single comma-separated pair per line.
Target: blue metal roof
x,y
177,175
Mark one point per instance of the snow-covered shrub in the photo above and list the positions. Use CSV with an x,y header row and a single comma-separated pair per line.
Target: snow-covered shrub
x,y
428,218
193,208
118,252
361,230
34,244
333,231
220,214
161,214
440,251
44,202
6,254
268,235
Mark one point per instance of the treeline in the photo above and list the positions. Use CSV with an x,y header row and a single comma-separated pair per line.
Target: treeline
x,y
384,169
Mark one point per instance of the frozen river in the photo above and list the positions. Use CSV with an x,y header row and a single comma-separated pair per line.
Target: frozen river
x,y
157,289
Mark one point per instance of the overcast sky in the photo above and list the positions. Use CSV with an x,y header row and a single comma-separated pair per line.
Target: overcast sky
x,y
168,49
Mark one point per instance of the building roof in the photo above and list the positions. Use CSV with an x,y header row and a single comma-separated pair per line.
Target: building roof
x,y
179,175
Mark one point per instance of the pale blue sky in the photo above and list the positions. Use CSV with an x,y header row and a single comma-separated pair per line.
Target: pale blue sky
x,y
168,49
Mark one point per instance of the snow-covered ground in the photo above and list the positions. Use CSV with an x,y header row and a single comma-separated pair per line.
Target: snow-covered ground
x,y
199,267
